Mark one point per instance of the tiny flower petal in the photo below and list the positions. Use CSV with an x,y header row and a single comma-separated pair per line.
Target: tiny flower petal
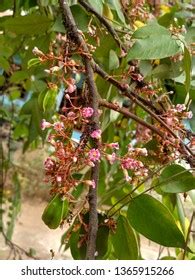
x,y
90,183
180,107
45,124
111,158
94,155
58,126
87,112
189,115
96,134
114,145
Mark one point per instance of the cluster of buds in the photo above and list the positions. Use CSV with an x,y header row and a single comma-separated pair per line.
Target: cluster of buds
x,y
169,146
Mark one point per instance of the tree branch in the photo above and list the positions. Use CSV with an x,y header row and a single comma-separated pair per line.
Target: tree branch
x,y
136,99
130,115
110,29
76,37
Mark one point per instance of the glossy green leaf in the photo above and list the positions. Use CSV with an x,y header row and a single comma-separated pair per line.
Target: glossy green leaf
x,y
151,29
27,25
113,60
33,62
81,17
117,6
187,68
97,5
55,212
151,218
175,179
124,240
154,47
49,101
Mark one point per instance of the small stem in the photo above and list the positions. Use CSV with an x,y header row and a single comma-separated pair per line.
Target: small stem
x,y
111,30
128,114
136,99
188,235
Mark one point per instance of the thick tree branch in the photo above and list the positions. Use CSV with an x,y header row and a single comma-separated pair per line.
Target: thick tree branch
x,y
130,115
110,29
76,37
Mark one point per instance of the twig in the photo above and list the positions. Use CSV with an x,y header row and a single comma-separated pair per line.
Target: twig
x,y
128,114
188,235
127,92
111,30
76,37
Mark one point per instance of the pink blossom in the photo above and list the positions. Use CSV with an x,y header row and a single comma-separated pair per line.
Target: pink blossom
x,y
114,145
96,134
130,163
189,114
90,183
45,124
58,126
71,115
180,107
71,85
59,179
49,164
71,88
127,177
87,112
94,155
111,158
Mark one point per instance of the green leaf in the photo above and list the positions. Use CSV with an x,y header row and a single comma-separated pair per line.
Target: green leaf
x,y
117,6
4,63
27,25
55,212
31,107
187,68
154,47
97,5
19,76
151,218
49,101
124,240
15,94
33,61
175,179
113,60
2,80
21,130
102,237
151,29
81,17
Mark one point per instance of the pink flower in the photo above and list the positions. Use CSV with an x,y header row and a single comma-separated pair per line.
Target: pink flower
x,y
49,164
180,107
58,126
71,85
111,158
130,163
90,183
45,124
96,134
189,114
94,155
87,112
114,145
59,179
